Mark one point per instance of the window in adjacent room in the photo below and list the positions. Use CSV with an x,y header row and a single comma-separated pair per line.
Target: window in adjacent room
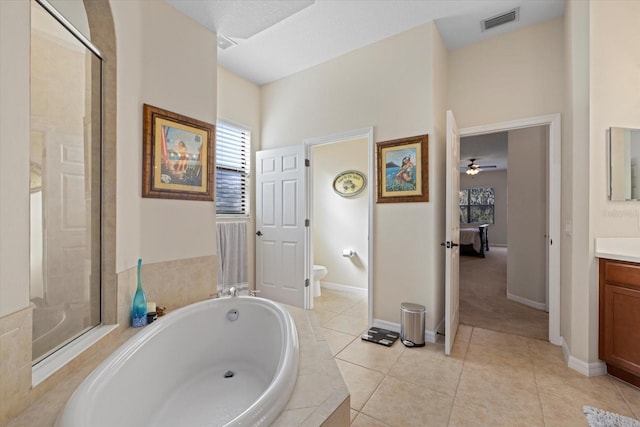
x,y
233,150
477,205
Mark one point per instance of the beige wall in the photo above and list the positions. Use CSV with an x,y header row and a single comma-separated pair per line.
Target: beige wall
x,y
338,222
527,202
512,76
368,88
14,168
574,192
498,181
155,68
614,88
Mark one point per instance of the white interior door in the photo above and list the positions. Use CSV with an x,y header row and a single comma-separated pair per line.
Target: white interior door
x,y
280,225
65,219
452,235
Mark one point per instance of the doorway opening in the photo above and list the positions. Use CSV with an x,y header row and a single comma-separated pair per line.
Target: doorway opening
x,y
339,238
503,285
547,235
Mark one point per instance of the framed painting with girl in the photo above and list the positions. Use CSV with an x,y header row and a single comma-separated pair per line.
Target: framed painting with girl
x,y
402,170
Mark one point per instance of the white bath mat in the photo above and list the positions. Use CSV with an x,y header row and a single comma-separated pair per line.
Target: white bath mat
x,y
599,418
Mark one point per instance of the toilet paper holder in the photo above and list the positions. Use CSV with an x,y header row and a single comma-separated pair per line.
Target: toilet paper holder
x,y
348,253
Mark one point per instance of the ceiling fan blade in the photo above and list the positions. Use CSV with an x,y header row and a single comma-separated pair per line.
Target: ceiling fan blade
x,y
487,166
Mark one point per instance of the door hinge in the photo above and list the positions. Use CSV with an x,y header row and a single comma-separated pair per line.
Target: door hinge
x,y
306,283
307,223
307,162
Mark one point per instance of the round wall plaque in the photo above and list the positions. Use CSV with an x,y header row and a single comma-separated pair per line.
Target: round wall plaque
x,y
349,183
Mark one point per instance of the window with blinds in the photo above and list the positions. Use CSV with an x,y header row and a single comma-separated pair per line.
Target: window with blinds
x,y
233,151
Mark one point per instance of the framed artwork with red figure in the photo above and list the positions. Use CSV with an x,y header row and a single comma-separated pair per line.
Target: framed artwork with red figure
x,y
178,156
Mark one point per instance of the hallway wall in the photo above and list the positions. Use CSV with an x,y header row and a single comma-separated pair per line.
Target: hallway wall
x,y
527,204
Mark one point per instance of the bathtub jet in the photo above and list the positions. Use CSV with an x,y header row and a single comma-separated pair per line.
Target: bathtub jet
x,y
195,367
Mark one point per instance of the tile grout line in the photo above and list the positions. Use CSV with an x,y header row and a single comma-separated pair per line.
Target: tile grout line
x,y
535,381
369,398
464,361
384,375
624,398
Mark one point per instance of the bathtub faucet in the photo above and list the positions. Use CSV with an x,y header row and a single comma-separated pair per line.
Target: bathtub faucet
x,y
232,291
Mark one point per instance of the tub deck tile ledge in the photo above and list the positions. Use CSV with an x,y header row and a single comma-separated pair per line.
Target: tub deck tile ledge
x,y
320,397
56,361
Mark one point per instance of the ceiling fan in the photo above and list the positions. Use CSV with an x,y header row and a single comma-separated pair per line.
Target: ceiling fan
x,y
473,168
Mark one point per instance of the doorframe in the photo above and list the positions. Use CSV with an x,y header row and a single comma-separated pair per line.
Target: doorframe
x,y
329,139
554,203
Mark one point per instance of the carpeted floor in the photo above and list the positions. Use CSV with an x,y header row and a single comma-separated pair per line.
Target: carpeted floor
x,y
484,303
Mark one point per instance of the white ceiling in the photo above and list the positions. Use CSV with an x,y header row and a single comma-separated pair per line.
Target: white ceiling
x,y
277,38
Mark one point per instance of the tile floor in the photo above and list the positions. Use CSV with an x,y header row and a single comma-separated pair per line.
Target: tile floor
x,y
491,379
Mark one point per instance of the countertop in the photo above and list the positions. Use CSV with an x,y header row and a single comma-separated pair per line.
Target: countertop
x,y
618,248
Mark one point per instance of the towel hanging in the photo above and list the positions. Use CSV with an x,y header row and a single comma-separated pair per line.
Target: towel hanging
x,y
232,254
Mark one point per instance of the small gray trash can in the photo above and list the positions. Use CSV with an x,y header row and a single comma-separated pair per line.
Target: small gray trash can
x,y
412,324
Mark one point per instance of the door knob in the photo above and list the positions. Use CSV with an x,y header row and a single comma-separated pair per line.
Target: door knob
x,y
448,245
259,233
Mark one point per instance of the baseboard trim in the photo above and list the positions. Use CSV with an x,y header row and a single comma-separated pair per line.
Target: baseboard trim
x,y
429,336
585,368
344,288
533,304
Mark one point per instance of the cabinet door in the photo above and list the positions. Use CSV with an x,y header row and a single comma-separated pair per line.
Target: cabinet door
x,y
621,331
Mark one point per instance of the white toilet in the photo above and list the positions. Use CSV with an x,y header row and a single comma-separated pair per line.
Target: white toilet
x,y
319,272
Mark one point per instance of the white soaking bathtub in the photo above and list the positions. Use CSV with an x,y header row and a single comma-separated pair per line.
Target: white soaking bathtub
x,y
195,367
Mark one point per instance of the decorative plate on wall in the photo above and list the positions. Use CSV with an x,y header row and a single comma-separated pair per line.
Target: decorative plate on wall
x,y
349,183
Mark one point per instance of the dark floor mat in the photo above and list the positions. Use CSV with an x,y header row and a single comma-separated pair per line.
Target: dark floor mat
x,y
380,336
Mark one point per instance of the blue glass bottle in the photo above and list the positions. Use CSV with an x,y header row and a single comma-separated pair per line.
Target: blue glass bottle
x,y
139,307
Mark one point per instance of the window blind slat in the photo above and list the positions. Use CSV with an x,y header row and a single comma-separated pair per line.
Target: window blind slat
x,y
233,150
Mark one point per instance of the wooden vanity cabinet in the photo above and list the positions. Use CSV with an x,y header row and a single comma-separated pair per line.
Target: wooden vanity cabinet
x,y
619,343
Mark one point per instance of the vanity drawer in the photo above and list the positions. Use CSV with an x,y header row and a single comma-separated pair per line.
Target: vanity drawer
x,y
622,273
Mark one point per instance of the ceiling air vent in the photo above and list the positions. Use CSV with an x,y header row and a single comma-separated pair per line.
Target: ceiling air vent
x,y
225,42
501,19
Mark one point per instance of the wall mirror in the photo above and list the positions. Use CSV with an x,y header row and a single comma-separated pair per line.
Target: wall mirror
x,y
624,164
